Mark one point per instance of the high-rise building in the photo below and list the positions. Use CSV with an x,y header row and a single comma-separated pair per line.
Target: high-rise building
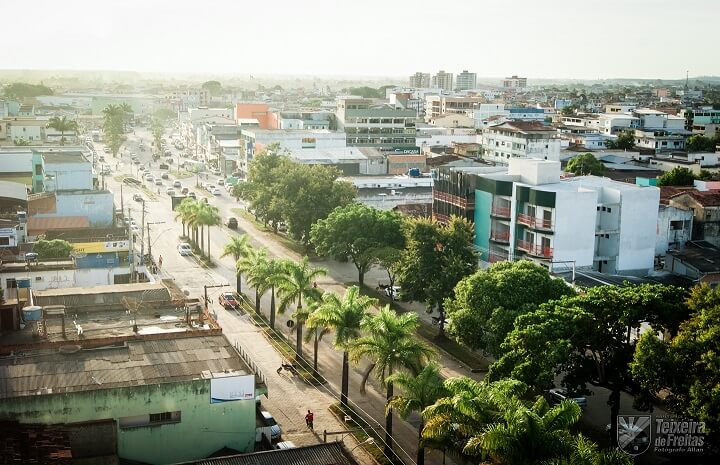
x,y
514,82
420,80
466,80
443,80
369,123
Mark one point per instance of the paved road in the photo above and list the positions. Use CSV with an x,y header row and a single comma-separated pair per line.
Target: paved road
x,y
288,398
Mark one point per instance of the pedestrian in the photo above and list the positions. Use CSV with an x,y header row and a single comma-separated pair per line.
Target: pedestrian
x,y
309,419
160,261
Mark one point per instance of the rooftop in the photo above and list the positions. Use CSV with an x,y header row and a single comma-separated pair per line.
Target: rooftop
x,y
128,363
524,127
701,255
331,453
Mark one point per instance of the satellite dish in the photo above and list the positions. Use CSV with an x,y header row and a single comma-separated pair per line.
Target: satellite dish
x,y
290,323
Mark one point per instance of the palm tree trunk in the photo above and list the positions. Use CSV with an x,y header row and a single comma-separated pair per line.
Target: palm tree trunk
x,y
202,239
421,449
298,340
238,282
315,351
344,384
441,310
272,307
388,421
183,223
257,300
208,241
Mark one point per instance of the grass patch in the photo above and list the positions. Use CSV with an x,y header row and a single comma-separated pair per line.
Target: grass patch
x,y
363,431
121,177
284,240
430,333
181,175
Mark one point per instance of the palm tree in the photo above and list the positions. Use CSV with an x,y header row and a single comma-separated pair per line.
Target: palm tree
x,y
237,247
295,284
185,211
63,124
208,215
271,271
586,452
344,316
419,392
391,344
249,264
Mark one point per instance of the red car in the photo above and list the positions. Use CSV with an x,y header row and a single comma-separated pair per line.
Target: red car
x,y
229,300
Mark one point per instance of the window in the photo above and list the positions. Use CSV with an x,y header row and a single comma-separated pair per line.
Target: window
x,y
38,169
150,419
676,225
4,241
10,283
609,210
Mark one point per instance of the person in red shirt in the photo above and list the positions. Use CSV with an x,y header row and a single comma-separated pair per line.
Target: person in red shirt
x,y
309,419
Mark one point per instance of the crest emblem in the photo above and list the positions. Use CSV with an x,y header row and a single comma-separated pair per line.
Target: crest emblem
x,y
634,433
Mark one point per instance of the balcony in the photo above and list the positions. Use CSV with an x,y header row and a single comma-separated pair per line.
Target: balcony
x,y
495,257
535,250
500,236
500,211
534,222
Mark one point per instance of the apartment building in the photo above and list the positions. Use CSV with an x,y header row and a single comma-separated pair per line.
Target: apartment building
x,y
466,80
514,82
519,139
438,105
369,123
184,99
442,80
528,212
419,79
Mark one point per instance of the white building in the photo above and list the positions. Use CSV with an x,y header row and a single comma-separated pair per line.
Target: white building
x,y
516,139
514,82
387,192
420,79
438,105
528,211
466,80
620,107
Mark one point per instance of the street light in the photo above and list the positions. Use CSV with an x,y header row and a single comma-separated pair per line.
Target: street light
x,y
369,440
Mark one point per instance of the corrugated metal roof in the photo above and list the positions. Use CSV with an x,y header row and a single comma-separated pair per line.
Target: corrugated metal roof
x,y
39,225
138,362
332,453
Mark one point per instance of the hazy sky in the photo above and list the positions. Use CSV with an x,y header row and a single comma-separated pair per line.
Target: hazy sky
x,y
549,38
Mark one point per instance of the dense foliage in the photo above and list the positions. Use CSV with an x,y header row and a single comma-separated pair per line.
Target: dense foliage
x,y
700,143
55,248
354,232
22,90
585,164
678,176
486,303
625,141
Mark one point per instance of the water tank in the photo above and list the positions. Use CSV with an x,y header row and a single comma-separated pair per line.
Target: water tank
x,y
23,283
32,313
414,172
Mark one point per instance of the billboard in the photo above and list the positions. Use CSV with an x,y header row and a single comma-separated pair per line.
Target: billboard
x,y
99,247
232,388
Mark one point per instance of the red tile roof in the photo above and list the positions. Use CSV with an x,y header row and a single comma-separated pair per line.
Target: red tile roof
x,y
40,225
706,199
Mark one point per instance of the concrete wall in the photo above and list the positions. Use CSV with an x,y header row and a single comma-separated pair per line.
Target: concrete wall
x,y
638,230
96,205
574,227
68,176
203,427
674,228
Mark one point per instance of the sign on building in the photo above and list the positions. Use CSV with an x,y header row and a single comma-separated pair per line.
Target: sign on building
x,y
99,247
232,388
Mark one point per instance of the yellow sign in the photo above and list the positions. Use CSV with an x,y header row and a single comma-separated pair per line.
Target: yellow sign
x,y
99,247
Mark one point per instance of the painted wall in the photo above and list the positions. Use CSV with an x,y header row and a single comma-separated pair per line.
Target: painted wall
x,y
674,228
638,226
574,226
203,427
96,205
483,207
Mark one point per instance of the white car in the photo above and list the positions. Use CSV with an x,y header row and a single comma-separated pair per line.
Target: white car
x,y
216,191
184,249
177,184
210,187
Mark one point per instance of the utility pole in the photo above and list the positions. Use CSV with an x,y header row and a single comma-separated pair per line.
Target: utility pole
x,y
142,235
132,248
148,235
122,204
208,286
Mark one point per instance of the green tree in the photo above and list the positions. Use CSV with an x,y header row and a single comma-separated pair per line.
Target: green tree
x,y
390,258
214,87
586,452
22,90
585,164
391,344
239,246
113,127
344,316
625,141
700,143
208,216
587,336
248,264
437,257
21,142
678,176
271,272
55,248
257,275
687,365
568,110
353,232
262,187
63,124
296,284
486,303
418,393
157,129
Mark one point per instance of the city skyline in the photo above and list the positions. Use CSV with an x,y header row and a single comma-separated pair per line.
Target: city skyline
x,y
545,41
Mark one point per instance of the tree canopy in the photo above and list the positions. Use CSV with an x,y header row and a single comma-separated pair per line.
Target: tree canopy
x,y
486,303
214,87
585,164
352,232
55,248
678,176
625,141
22,90
437,257
700,143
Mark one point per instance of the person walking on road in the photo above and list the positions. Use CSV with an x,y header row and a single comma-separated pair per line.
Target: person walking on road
x,y
160,261
309,419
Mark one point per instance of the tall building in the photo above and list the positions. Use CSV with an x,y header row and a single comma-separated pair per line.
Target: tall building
x,y
443,80
514,82
520,139
421,80
466,80
528,212
368,123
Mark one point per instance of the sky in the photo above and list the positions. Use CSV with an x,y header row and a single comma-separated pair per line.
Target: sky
x,y
566,39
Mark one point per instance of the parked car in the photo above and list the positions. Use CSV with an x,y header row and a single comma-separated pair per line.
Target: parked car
x,y
170,191
557,395
209,187
216,191
177,184
192,195
215,171
221,182
185,191
229,300
269,420
184,249
285,445
232,223
282,227
158,182
163,166
165,176
137,197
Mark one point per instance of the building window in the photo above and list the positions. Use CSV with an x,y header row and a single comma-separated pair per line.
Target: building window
x,y
149,420
10,283
38,169
4,241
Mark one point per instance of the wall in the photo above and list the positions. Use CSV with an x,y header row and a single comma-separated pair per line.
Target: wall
x,y
96,205
203,428
68,176
574,227
49,279
670,233
638,229
482,220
